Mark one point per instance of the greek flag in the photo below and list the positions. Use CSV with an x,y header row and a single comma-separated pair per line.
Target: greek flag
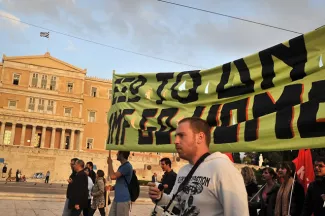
x,y
45,34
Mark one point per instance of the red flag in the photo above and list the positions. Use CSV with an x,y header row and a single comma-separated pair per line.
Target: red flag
x,y
230,156
304,168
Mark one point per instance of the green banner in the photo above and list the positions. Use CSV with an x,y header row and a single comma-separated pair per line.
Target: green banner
x,y
272,100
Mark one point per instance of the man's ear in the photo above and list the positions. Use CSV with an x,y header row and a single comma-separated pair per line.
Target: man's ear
x,y
200,137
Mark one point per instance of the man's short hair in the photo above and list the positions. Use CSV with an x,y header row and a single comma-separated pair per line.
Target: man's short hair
x,y
81,163
199,125
167,161
91,164
320,159
74,159
125,154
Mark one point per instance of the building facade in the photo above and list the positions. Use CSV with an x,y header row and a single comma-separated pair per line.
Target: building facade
x,y
50,104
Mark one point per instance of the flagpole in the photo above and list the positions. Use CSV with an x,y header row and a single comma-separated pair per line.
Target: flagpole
x,y
110,156
294,179
48,41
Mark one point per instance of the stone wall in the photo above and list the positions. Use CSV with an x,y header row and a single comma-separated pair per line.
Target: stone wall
x,y
31,160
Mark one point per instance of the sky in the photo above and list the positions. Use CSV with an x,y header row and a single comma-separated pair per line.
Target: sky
x,y
197,39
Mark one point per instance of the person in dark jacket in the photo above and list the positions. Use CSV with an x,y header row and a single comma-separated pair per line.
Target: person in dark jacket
x,y
315,199
92,173
66,210
267,196
251,186
286,171
79,190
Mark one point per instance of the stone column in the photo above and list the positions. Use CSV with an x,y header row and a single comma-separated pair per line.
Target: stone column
x,y
2,132
79,146
62,138
43,136
22,137
52,138
33,135
71,140
13,133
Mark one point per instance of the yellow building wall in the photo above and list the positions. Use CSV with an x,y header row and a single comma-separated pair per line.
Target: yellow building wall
x,y
100,104
5,98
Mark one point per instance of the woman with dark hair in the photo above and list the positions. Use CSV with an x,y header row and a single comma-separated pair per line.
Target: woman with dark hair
x,y
98,193
85,211
267,196
286,171
251,186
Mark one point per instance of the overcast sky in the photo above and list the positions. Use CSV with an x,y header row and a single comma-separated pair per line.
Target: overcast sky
x,y
152,28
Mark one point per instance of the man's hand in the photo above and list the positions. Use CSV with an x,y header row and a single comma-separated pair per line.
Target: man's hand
x,y
165,186
77,207
108,188
154,192
69,180
109,160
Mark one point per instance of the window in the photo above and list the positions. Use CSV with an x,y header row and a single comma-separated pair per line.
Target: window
x,y
12,104
44,81
41,105
50,106
110,94
31,104
53,83
34,80
90,142
16,79
67,111
91,116
70,87
93,91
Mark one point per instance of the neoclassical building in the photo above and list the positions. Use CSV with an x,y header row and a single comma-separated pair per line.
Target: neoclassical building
x,y
50,104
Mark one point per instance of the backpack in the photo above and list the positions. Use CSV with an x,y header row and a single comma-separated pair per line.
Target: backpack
x,y
134,187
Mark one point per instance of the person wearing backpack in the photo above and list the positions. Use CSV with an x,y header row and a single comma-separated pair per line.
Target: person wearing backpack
x,y
122,200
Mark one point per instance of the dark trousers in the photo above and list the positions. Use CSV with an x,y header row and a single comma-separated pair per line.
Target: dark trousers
x,y
101,211
75,212
47,178
86,211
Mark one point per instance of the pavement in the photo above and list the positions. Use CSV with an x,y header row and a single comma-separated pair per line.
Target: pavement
x,y
40,199
44,208
42,191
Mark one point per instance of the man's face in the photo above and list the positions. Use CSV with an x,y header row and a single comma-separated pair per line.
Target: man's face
x,y
88,166
72,163
76,167
185,141
119,156
319,168
163,166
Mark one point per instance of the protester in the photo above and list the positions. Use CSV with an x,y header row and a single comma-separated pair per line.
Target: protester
x,y
98,193
121,203
216,187
66,210
286,172
169,177
267,196
250,185
315,198
47,177
92,173
17,175
79,190
9,175
86,210
154,178
4,171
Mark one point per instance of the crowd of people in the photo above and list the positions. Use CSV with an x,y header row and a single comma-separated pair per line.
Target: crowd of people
x,y
87,190
211,185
